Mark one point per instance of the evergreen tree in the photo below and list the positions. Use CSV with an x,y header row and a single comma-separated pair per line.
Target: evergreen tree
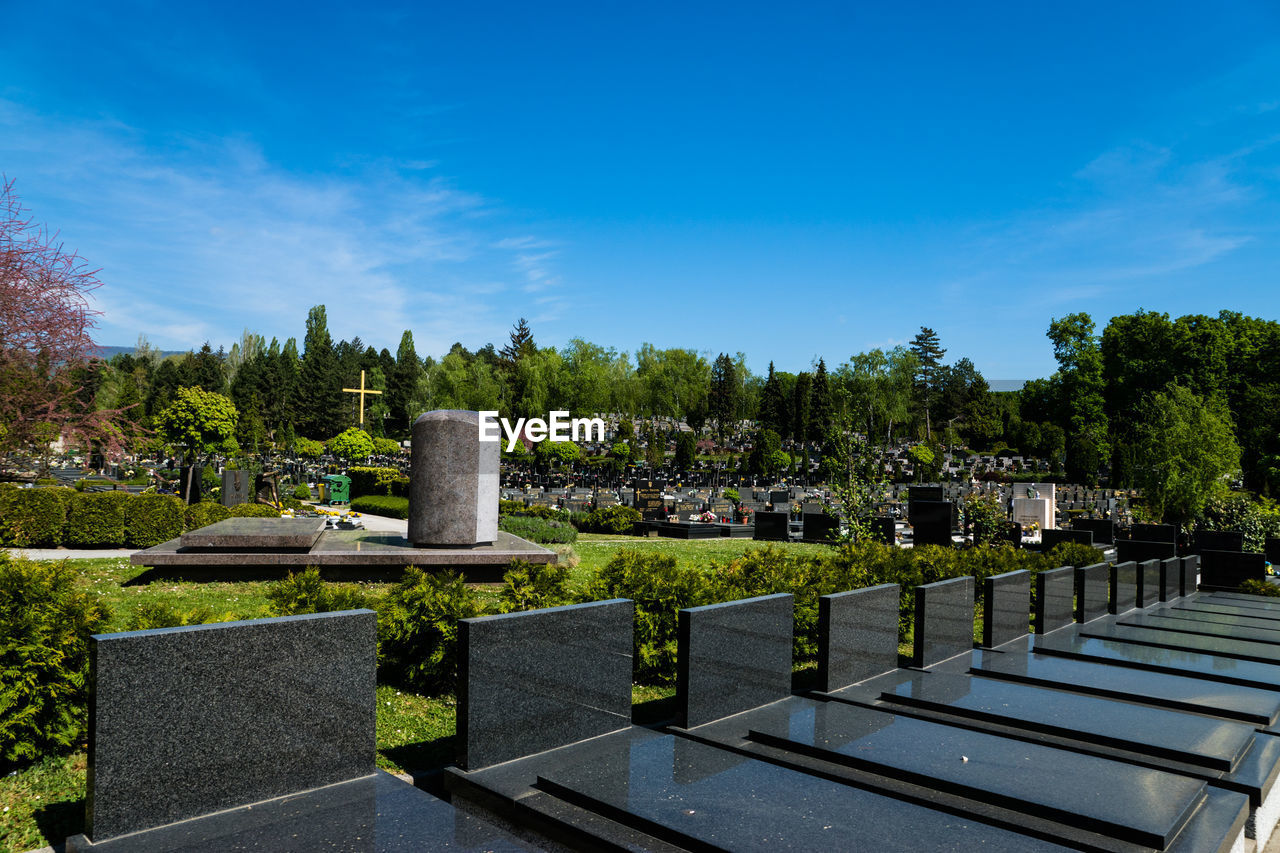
x,y
773,405
321,413
725,397
801,407
402,383
820,409
520,345
928,352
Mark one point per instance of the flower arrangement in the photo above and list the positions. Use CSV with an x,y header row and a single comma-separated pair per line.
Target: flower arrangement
x,y
707,517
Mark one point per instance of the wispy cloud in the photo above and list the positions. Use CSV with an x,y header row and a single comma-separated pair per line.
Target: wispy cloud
x,y
200,238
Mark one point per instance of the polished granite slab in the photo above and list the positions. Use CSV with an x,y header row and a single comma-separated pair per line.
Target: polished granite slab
x,y
1170,579
1208,625
857,635
348,554
1121,800
1006,607
1124,586
944,620
1200,664
374,814
1241,599
1158,732
1247,704
1248,650
1148,583
1055,600
248,534
697,796
1206,608
1092,591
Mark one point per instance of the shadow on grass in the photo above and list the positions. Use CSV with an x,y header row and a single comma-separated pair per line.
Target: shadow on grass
x,y
654,712
58,820
425,761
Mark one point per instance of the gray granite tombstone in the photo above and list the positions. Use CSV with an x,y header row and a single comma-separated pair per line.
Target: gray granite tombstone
x,y
733,657
1006,607
453,481
536,680
235,486
1148,592
944,620
1092,591
1055,599
857,635
186,722
1190,574
1170,579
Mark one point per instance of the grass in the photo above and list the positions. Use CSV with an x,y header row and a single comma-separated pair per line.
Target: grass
x,y
594,550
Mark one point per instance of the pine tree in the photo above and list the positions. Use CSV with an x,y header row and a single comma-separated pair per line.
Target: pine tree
x,y
928,352
820,409
520,345
401,385
773,405
322,414
801,407
725,398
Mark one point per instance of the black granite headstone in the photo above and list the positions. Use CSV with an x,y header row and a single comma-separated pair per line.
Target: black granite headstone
x,y
1190,574
944,620
882,530
1006,607
185,722
1154,533
1218,540
780,500
1092,591
820,527
1141,550
1272,550
733,657
540,679
1229,569
1148,592
1103,529
1055,604
1124,586
857,635
771,526
932,522
649,500
1170,579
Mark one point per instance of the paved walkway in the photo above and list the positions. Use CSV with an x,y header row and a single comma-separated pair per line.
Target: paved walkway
x,y
371,522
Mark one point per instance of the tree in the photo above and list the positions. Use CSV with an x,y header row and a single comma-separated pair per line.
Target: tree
x,y
520,344
1183,452
801,407
402,383
725,397
351,444
820,408
200,422
928,352
45,321
320,408
774,412
686,451
1082,403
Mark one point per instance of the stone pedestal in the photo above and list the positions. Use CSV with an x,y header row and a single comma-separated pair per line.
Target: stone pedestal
x,y
453,481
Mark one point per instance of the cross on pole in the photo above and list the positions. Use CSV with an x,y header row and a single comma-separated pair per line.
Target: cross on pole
x,y
361,391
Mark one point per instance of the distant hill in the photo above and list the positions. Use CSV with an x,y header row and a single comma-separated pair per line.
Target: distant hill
x,y
1006,384
107,353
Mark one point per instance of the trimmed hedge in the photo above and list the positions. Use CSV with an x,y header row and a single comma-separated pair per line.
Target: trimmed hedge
x,y
379,482
379,505
542,531
152,519
35,518
254,511
205,513
97,519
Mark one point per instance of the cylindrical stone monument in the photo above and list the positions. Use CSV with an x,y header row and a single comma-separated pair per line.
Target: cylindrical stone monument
x,y
453,481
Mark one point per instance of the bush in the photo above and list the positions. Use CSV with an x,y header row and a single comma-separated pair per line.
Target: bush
x,y
45,624
36,517
545,512
376,505
1073,554
152,519
253,511
205,513
96,519
1253,586
616,520
302,492
660,589
532,586
418,630
308,593
158,614
308,447
542,531
46,481
383,482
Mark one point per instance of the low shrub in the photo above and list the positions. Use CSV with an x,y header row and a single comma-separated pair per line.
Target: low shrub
x,y
546,512
532,586
36,518
1072,554
418,630
158,614
542,531
378,505
46,481
615,520
302,492
309,593
97,519
1253,586
205,513
45,623
152,519
253,511
660,589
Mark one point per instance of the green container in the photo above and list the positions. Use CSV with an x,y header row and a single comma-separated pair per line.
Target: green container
x,y
337,489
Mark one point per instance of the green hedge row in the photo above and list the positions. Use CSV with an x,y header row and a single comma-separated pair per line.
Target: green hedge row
x,y
391,507
49,517
381,482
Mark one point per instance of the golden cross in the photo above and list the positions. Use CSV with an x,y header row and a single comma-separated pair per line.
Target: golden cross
x,y
361,391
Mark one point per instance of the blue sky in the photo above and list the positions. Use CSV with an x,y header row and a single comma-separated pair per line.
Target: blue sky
x,y
788,182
